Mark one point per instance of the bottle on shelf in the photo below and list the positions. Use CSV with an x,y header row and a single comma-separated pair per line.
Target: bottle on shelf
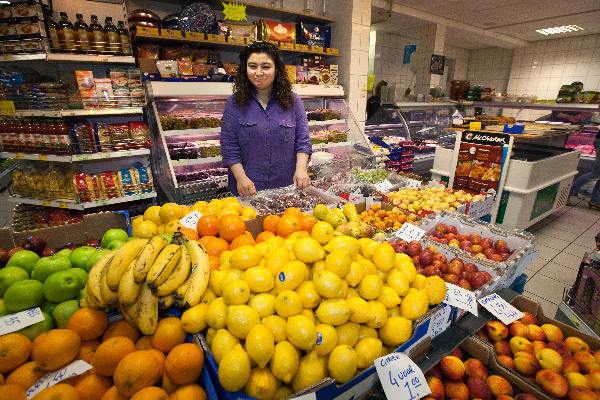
x,y
81,31
125,39
66,34
113,42
97,33
54,41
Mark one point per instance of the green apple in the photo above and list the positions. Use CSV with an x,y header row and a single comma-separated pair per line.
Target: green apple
x,y
61,286
48,307
93,259
115,244
63,253
63,312
113,234
10,275
46,266
80,255
24,259
37,329
81,274
24,295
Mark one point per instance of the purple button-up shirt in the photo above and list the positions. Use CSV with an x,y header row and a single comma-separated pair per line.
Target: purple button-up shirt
x,y
264,141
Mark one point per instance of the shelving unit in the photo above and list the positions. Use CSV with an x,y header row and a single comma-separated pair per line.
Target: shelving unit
x,y
328,122
532,106
321,146
67,57
200,131
75,157
96,112
80,206
196,161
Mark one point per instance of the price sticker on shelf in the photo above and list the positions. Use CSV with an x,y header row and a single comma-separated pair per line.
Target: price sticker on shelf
x,y
355,198
475,126
478,209
172,33
62,204
286,46
14,322
400,377
307,396
19,156
302,47
332,51
234,11
501,309
195,35
439,321
409,232
144,30
413,183
7,107
76,368
46,203
461,298
43,157
191,220
215,38
316,49
384,186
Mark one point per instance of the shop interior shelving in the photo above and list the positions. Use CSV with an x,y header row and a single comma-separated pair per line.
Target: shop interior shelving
x,y
67,58
75,157
95,112
532,106
80,206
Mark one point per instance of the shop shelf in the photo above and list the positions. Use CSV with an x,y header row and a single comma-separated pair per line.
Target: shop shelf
x,y
80,206
328,122
67,57
22,57
416,104
320,146
196,161
200,131
576,320
535,106
75,157
79,113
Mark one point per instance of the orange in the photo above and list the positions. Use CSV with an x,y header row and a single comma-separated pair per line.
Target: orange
x,y
168,334
110,352
144,343
62,391
308,221
189,392
189,233
122,328
214,262
88,323
245,239
26,375
86,353
93,386
1,379
151,393
214,246
14,351
270,223
208,226
292,211
261,237
136,371
184,363
11,391
113,394
288,224
166,384
55,348
160,359
231,226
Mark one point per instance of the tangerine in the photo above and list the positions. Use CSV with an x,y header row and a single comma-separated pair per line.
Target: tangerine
x,y
189,392
122,328
308,221
62,391
136,371
88,323
144,343
288,224
214,246
189,233
12,392
270,223
166,384
242,240
86,353
231,226
110,353
14,351
93,386
113,394
208,226
292,211
184,363
150,393
214,262
26,375
263,236
55,348
168,334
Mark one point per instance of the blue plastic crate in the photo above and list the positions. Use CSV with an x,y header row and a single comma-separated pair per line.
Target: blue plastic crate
x,y
519,284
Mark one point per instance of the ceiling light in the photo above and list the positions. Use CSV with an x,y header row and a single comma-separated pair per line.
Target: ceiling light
x,y
559,29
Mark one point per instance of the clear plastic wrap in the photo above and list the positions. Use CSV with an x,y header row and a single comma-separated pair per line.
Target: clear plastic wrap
x,y
275,201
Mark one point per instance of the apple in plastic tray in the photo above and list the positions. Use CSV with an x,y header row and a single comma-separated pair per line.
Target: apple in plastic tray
x,y
474,244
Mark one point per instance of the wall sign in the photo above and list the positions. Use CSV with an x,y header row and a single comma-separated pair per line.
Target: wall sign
x,y
437,64
409,49
234,11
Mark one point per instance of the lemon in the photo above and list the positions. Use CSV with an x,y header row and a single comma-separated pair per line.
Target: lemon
x,y
209,296
367,246
283,393
288,303
199,206
285,361
291,275
244,257
144,229
276,325
152,213
259,279
389,298
412,290
327,339
216,313
193,320
344,290
309,295
351,292
264,248
367,350
308,250
396,331
310,371
262,384
236,292
393,312
367,331
384,256
210,333
379,314
359,310
403,259
419,282
327,284
355,274
338,262
406,267
345,243
308,313
368,267
301,332
436,289
224,259
234,369
322,232
216,281
370,287
172,227
263,303
342,363
168,212
333,312
348,333
222,342
277,259
240,319
398,282
260,344
414,305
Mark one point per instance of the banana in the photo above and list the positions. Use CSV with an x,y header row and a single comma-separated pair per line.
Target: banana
x,y
164,265
179,293
177,277
129,313
147,257
94,277
108,296
179,304
124,255
165,302
147,311
128,290
200,273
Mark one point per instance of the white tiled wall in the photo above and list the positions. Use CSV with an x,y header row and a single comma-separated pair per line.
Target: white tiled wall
x,y
490,67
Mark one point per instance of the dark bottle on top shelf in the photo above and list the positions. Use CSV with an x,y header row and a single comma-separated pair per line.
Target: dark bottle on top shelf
x,y
99,41
112,37
81,30
125,39
54,41
66,34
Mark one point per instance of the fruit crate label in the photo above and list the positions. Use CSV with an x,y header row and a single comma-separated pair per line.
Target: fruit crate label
x,y
410,232
77,367
478,209
461,298
307,396
384,186
400,377
14,322
191,220
413,183
440,321
501,309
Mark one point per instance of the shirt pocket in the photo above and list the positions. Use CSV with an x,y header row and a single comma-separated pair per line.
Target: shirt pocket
x,y
248,131
284,140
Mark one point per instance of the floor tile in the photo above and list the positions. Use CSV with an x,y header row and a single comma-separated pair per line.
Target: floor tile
x,y
568,260
552,242
535,266
576,249
559,272
546,252
548,307
545,287
555,233
573,227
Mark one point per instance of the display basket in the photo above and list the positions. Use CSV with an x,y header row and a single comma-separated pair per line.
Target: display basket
x,y
275,201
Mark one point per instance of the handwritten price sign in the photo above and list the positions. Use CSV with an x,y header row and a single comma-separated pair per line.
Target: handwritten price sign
x,y
400,377
461,298
14,322
191,220
77,367
384,186
410,232
440,321
500,308
413,183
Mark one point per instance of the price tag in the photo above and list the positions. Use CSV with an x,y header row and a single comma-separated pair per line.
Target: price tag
x,y
286,46
102,202
195,35
332,51
440,321
409,232
316,49
7,107
172,33
401,378
191,220
216,38
383,186
355,198
478,209
46,203
234,11
19,156
501,309
302,47
236,40
77,367
14,322
307,396
147,30
475,126
413,183
62,204
461,298
104,59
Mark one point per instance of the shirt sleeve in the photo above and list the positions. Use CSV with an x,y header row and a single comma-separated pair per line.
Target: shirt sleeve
x,y
302,139
230,146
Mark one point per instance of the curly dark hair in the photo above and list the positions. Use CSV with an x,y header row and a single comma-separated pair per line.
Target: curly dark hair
x,y
282,88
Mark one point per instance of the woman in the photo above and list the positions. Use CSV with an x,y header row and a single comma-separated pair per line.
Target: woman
x,y
593,174
265,140
374,102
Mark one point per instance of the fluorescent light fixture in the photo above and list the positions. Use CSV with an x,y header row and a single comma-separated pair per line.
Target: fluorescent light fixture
x,y
559,29
4,2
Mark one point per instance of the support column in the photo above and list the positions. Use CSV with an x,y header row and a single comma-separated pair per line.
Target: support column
x,y
431,41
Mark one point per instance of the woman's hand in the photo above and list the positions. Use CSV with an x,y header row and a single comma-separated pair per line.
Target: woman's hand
x,y
301,179
245,187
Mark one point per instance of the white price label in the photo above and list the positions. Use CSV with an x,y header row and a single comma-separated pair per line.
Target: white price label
x,y
478,209
384,186
355,198
77,367
191,220
307,396
440,321
370,201
14,322
401,378
461,298
501,309
410,232
413,183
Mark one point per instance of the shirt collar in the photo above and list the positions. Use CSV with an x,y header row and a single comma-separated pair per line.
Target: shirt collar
x,y
269,104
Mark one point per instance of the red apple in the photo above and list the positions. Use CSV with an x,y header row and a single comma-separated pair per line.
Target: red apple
x,y
440,257
438,235
504,256
452,229
12,251
426,258
415,259
413,248
475,238
487,243
450,236
3,256
455,268
463,283
441,228
488,252
478,279
476,248
431,271
451,278
471,267
501,246
48,251
439,265
461,237
496,257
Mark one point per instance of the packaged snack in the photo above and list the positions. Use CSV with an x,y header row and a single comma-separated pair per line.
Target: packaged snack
x,y
122,97
32,45
82,136
169,52
314,75
278,31
134,78
8,30
30,28
126,181
5,12
84,187
167,68
333,72
138,97
313,34
145,178
118,78
103,135
139,134
24,10
231,68
201,69
104,91
109,185
147,50
291,72
185,68
87,90
120,136
301,74
12,46
238,30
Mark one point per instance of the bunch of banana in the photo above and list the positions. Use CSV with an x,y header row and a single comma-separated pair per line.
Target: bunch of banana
x,y
145,275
